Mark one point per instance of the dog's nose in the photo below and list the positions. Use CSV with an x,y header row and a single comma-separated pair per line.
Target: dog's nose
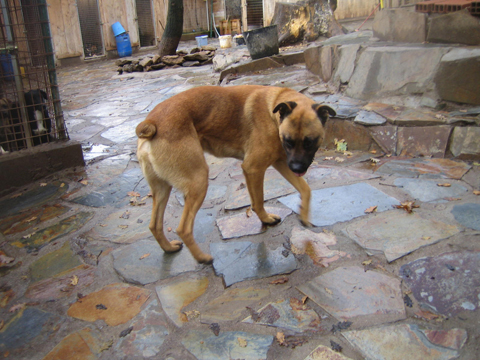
x,y
298,167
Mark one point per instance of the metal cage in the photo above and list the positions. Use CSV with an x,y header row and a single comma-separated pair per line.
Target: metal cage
x,y
30,110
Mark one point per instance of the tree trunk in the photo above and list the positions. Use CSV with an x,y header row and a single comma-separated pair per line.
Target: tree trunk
x,y
173,30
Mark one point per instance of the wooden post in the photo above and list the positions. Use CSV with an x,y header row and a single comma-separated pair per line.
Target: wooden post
x,y
244,15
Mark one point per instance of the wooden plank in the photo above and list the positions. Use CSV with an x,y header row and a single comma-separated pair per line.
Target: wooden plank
x,y
112,11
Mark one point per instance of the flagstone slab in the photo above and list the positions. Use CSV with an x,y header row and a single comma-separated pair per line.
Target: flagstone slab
x,y
343,203
433,168
287,314
86,344
405,341
447,284
42,237
115,304
274,187
124,226
231,303
318,174
33,217
418,141
243,260
243,225
369,118
386,138
428,190
396,234
180,292
325,353
144,262
63,285
468,215
54,263
148,334
26,325
304,241
116,191
350,294
121,133
204,345
32,198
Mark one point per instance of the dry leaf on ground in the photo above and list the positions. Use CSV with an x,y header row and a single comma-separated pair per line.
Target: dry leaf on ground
x,y
17,307
329,291
281,280
123,226
371,209
408,206
281,338
367,262
476,192
74,280
133,193
4,259
29,235
340,160
43,184
144,256
84,182
328,158
444,185
242,342
297,304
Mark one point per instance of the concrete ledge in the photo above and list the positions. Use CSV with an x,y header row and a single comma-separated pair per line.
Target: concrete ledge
x,y
25,166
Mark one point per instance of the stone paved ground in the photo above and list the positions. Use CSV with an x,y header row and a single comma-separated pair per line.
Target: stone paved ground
x,y
82,277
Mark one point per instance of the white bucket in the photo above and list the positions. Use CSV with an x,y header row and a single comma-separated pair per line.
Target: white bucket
x,y
225,41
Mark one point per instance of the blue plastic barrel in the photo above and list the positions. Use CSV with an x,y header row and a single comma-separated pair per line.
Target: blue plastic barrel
x,y
7,67
124,48
117,29
202,40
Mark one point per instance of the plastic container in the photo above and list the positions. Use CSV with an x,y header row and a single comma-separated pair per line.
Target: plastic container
x,y
262,42
225,41
7,67
202,40
118,29
124,48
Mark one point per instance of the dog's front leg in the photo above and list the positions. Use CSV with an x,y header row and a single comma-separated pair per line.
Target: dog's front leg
x,y
254,178
300,185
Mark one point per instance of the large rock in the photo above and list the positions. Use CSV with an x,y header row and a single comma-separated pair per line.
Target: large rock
x,y
320,60
458,76
399,25
465,142
455,28
389,71
347,55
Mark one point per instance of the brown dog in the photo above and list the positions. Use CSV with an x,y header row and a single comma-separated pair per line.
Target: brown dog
x,y
260,125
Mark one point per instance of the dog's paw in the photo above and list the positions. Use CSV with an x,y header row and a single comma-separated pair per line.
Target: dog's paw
x,y
176,245
205,259
272,219
306,223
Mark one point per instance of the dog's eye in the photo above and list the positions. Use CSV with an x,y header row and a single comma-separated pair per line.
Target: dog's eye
x,y
309,143
288,143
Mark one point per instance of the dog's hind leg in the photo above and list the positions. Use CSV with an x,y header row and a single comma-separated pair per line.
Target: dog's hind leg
x,y
194,187
300,185
160,194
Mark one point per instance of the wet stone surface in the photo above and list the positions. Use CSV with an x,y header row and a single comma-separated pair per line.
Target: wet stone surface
x,y
339,204
447,284
428,190
468,215
242,260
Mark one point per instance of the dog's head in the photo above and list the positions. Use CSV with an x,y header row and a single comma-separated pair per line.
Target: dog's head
x,y
301,132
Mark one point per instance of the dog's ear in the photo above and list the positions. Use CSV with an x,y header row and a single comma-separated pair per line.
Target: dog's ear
x,y
285,108
44,94
323,112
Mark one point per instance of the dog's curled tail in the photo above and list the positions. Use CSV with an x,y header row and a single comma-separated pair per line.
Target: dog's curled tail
x,y
146,130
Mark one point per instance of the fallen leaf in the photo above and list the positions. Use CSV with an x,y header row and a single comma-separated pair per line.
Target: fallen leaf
x,y
215,328
145,198
133,193
31,219
427,315
373,151
444,185
144,256
249,212
123,226
281,280
453,199
328,158
126,331
476,164
367,262
29,235
476,192
242,342
374,160
17,307
102,225
338,159
62,185
281,338
84,182
341,145
347,153
74,280
408,206
15,196
4,259
426,237
43,184
192,314
297,304
304,299
329,291
371,209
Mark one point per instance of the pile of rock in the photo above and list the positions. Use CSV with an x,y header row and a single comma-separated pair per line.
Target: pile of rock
x,y
196,57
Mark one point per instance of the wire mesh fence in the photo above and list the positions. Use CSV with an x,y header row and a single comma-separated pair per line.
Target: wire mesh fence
x,y
30,110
